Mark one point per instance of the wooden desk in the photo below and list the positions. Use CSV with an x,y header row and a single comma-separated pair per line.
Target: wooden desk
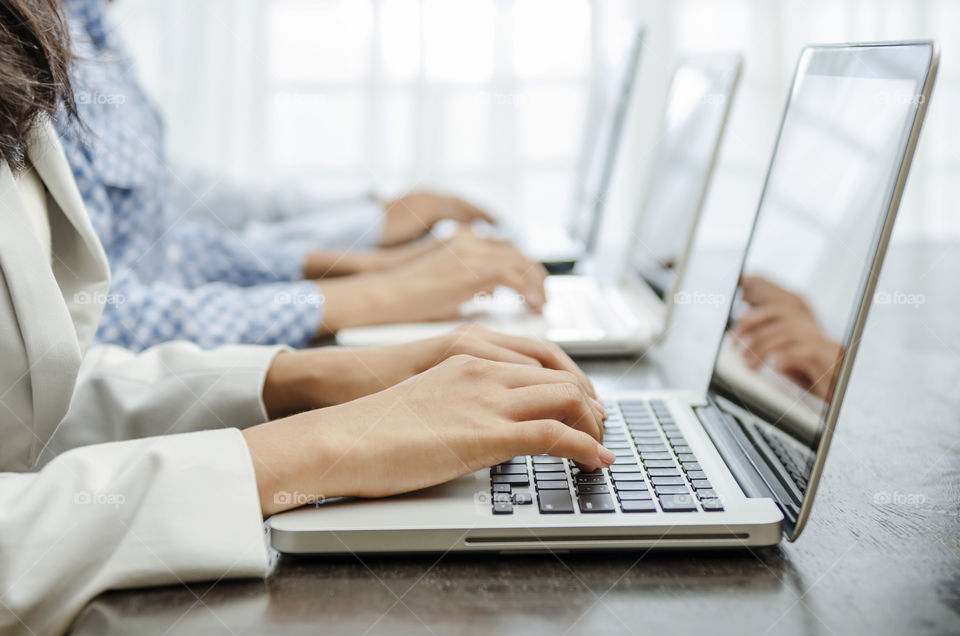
x,y
881,554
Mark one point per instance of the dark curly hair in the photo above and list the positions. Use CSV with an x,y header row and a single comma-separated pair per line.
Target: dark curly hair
x,y
34,65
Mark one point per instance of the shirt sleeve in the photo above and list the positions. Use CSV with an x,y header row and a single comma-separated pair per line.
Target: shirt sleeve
x,y
139,315
155,511
172,388
205,252
289,214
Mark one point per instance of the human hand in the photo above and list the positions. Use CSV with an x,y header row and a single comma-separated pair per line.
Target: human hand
x,y
460,416
433,286
315,378
332,263
414,214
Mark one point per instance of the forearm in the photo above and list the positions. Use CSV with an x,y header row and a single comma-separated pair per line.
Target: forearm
x,y
300,381
332,263
358,301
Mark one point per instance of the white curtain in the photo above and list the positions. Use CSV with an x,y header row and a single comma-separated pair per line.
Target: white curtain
x,y
489,97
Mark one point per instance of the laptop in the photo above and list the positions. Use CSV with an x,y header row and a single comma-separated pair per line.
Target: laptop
x,y
720,469
627,311
557,247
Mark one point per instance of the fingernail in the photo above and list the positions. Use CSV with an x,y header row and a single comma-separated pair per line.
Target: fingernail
x,y
605,455
599,406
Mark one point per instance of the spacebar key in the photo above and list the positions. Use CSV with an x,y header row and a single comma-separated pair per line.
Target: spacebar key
x,y
555,501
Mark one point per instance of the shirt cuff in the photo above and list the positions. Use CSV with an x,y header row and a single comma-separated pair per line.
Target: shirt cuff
x,y
248,367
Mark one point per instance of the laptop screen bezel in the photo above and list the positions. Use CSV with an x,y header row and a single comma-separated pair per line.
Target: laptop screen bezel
x,y
716,391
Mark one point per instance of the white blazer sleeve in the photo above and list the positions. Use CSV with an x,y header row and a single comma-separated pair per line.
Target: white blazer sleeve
x,y
286,213
171,388
145,512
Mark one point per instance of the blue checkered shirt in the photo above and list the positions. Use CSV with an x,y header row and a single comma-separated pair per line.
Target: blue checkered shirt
x,y
173,276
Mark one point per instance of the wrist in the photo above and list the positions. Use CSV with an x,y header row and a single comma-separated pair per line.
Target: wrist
x,y
287,385
338,263
359,301
300,381
286,454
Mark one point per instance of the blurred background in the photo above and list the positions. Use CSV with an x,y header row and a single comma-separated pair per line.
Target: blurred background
x,y
489,98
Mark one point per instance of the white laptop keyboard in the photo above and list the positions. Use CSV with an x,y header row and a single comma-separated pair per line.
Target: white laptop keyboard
x,y
582,309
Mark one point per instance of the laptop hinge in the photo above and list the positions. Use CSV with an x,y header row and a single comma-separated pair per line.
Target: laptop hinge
x,y
754,475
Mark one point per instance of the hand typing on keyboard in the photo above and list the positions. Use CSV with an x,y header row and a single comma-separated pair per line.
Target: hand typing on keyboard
x,y
315,378
654,470
462,415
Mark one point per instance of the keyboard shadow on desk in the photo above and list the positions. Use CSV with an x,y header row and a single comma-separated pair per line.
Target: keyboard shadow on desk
x,y
470,594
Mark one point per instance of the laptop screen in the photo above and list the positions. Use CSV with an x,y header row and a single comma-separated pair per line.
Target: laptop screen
x,y
697,104
602,145
830,188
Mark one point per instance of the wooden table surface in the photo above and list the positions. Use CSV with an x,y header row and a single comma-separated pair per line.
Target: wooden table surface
x,y
881,554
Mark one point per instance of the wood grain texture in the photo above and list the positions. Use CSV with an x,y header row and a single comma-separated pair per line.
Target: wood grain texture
x,y
881,554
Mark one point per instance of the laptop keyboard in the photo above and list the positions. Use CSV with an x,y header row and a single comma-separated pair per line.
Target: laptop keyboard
x,y
655,471
581,309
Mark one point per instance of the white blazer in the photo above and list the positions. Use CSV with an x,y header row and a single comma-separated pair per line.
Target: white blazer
x,y
146,511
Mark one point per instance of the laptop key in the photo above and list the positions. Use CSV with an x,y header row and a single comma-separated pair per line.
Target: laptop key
x,y
707,493
502,497
671,490
652,448
519,459
552,484
659,463
550,471
503,508
655,456
651,436
700,483
522,498
555,502
663,472
616,469
592,489
711,505
638,505
622,452
509,469
696,474
667,481
588,478
501,488
596,503
547,459
688,466
631,495
630,485
516,480
678,503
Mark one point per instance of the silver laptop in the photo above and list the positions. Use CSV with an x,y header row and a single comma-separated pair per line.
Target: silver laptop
x,y
627,311
721,469
559,247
